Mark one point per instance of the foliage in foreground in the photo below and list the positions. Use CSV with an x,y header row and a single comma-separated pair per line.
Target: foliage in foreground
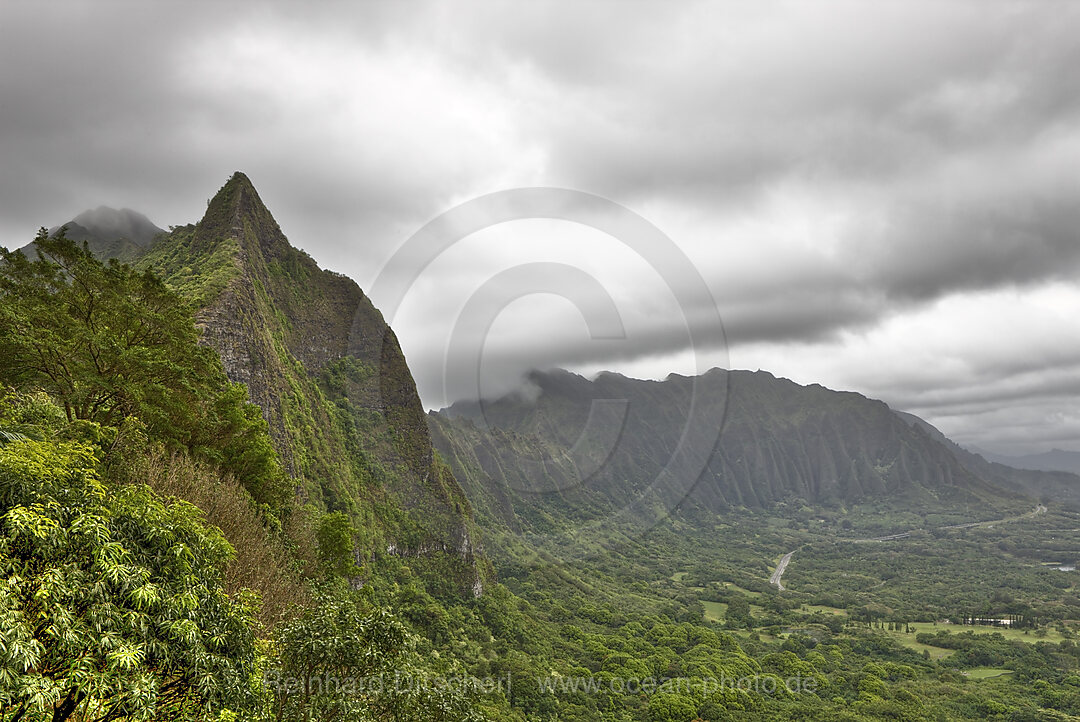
x,y
119,600
111,604
334,661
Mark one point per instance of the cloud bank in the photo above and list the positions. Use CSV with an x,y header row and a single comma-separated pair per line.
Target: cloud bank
x,y
880,197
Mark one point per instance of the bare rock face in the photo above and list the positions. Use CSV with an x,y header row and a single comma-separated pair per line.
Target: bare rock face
x,y
328,373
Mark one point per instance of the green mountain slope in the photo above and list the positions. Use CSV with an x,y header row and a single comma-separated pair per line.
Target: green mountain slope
x,y
327,371
523,460
122,597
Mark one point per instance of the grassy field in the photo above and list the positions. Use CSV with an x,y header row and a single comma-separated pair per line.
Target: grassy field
x,y
714,611
909,641
742,590
1052,635
985,672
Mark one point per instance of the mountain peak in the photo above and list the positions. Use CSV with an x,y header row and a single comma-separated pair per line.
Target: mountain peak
x,y
121,234
327,372
105,223
240,185
237,212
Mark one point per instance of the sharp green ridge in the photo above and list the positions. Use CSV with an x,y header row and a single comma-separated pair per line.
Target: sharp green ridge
x,y
320,361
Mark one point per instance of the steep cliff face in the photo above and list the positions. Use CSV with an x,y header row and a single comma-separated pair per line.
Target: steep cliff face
x,y
327,371
526,463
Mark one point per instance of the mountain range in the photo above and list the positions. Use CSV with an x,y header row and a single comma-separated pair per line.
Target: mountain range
x,y
729,525
1053,460
329,375
532,462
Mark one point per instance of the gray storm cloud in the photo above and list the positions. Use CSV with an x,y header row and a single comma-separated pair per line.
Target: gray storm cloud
x,y
828,166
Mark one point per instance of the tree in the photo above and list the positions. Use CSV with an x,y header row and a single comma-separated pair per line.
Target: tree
x,y
112,605
738,613
334,535
108,343
334,661
669,707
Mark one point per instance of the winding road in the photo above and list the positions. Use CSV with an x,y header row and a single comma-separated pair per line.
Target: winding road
x,y
779,571
782,565
1039,509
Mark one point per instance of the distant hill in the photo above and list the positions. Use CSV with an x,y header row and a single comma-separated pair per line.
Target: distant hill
x,y
1047,483
121,234
1053,460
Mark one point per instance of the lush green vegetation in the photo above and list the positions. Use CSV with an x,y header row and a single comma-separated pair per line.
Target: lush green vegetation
x,y
121,600
111,344
112,604
327,373
152,567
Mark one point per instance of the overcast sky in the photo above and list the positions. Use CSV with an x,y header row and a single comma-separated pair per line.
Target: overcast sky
x,y
882,197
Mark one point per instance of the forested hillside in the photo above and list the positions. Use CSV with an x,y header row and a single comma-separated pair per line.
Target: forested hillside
x,y
219,501
122,599
331,381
